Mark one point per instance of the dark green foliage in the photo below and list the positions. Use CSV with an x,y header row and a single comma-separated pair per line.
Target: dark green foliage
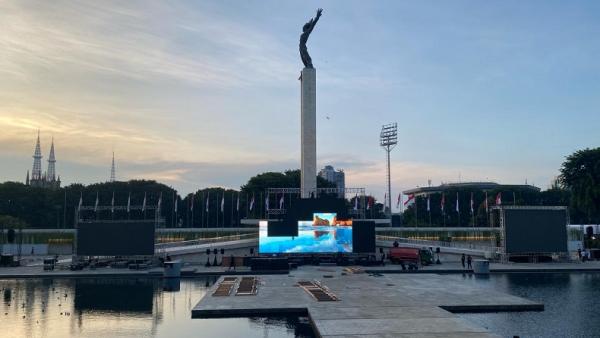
x,y
46,208
450,217
580,174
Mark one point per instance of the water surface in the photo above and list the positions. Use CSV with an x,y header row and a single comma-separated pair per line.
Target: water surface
x,y
124,307
570,301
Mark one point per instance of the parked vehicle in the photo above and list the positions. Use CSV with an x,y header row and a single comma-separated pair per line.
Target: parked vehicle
x,y
426,256
408,255
405,255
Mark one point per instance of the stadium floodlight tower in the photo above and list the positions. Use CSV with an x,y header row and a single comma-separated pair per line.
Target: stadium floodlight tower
x,y
388,140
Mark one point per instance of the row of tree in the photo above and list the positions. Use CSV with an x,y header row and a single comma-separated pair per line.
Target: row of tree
x,y
209,207
578,187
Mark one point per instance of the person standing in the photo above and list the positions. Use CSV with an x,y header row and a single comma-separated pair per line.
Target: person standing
x,y
469,260
462,260
232,262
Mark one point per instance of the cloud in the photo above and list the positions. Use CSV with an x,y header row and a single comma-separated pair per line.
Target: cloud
x,y
133,41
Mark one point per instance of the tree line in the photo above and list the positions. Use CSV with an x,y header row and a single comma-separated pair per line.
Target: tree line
x,y
27,206
578,186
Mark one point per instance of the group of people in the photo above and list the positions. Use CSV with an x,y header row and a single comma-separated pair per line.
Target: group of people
x,y
469,260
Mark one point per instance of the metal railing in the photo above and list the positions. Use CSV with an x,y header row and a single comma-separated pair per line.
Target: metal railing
x,y
199,241
454,245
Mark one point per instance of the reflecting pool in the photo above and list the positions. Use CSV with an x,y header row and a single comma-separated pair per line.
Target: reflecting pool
x,y
570,301
124,307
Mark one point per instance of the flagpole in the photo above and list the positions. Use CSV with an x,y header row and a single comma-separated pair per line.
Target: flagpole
x,y
65,210
444,209
261,203
458,208
487,213
429,216
416,212
207,208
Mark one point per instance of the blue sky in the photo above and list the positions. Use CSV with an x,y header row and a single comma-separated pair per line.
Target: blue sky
x,y
206,93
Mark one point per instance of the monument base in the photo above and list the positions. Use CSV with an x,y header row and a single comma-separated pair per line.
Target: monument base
x,y
308,134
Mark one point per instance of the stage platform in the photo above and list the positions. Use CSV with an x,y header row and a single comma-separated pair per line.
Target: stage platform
x,y
392,305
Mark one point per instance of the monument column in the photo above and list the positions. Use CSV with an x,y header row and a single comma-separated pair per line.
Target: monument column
x,y
308,134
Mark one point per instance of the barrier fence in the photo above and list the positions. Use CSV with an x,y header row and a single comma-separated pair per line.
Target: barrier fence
x,y
200,241
454,245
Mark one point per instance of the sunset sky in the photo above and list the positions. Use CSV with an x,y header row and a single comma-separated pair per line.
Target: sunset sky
x,y
206,93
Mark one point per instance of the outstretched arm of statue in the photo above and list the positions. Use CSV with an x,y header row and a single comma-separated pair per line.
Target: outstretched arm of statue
x,y
313,22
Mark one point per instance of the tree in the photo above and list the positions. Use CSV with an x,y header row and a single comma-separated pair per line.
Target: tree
x,y
580,173
287,179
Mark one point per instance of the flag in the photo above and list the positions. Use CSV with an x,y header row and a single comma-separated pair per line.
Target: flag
x,y
223,202
112,203
486,203
192,203
237,204
97,201
457,208
80,201
281,201
175,204
398,202
252,203
207,199
159,201
472,210
443,202
369,201
356,202
128,202
144,203
428,208
499,199
267,203
409,201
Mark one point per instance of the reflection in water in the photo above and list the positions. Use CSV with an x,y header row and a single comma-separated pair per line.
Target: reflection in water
x,y
173,284
92,294
124,307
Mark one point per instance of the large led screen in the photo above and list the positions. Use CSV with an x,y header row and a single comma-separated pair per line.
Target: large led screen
x,y
119,238
535,230
324,234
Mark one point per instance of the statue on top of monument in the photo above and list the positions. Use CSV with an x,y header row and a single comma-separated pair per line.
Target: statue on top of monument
x,y
306,30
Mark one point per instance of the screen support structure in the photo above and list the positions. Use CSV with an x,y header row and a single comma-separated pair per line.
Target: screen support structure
x,y
504,256
348,193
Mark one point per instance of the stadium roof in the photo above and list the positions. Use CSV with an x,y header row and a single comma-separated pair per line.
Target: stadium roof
x,y
468,185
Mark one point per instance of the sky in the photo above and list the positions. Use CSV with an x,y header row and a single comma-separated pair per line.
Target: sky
x,y
196,94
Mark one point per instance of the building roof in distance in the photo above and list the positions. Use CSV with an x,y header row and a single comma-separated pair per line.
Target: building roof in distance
x,y
468,185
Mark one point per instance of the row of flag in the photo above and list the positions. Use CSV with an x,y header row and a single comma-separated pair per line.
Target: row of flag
x,y
370,201
411,200
112,202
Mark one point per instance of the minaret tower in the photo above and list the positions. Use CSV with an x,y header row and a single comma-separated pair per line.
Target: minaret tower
x,y
112,168
36,173
51,174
